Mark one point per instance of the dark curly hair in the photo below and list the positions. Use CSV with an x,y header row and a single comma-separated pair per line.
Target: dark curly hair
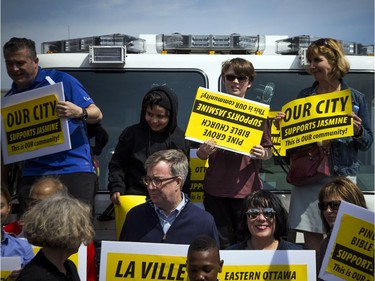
x,y
265,199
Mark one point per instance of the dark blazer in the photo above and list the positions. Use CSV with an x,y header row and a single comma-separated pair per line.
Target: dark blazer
x,y
142,225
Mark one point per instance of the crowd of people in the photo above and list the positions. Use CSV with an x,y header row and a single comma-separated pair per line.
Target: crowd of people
x,y
56,191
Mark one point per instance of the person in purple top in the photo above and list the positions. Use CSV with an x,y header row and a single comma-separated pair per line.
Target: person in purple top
x,y
231,176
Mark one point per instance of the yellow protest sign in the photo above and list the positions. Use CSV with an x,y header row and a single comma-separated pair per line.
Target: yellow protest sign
x,y
235,124
316,118
350,250
122,266
5,275
126,203
163,261
352,256
30,125
145,267
277,150
198,169
264,272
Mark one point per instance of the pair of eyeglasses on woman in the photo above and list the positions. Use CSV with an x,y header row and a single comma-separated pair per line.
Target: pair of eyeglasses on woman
x,y
268,213
333,205
324,42
156,182
231,78
321,42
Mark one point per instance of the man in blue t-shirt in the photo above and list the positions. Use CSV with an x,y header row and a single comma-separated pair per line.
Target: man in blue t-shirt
x,y
75,166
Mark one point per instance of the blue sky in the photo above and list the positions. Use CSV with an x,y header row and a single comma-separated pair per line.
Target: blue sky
x,y
48,20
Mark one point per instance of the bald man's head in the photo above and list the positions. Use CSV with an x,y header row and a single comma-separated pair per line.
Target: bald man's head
x,y
46,187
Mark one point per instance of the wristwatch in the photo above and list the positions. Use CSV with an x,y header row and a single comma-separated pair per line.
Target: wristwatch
x,y
84,114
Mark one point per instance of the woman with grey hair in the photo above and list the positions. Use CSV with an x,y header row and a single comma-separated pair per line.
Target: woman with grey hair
x,y
59,225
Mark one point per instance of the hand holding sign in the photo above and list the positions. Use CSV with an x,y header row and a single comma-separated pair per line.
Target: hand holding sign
x,y
357,124
67,109
206,149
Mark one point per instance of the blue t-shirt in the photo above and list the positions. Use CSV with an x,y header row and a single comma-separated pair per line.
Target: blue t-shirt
x,y
78,158
16,247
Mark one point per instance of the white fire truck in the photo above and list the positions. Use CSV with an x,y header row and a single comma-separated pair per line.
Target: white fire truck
x,y
117,70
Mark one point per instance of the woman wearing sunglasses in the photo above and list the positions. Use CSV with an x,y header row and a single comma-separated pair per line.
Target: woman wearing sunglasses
x,y
328,66
330,197
264,224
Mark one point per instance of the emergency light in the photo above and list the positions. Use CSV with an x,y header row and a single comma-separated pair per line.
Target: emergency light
x,y
295,45
131,43
113,48
234,43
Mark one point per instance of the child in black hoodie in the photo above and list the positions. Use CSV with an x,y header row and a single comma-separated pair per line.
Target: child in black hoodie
x,y
157,130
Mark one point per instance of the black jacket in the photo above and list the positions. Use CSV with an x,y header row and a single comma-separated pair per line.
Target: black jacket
x,y
42,269
137,142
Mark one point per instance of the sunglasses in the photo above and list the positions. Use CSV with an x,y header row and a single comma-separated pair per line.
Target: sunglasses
x,y
324,42
333,205
268,213
321,42
231,78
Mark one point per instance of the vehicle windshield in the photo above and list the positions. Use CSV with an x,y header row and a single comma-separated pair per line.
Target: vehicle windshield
x,y
119,95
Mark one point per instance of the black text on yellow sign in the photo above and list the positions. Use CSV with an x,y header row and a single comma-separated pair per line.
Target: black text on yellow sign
x,y
5,275
32,125
275,136
316,118
264,272
235,124
198,169
145,267
352,256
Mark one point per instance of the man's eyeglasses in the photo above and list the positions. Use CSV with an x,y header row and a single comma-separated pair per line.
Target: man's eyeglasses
x,y
268,213
333,205
156,182
231,78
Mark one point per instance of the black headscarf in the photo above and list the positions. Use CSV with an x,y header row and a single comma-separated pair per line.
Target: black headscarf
x,y
168,100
